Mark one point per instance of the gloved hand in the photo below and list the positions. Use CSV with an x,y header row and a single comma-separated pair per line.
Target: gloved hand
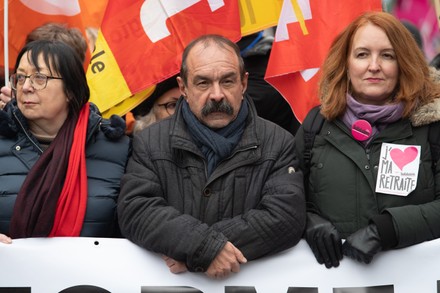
x,y
324,240
363,244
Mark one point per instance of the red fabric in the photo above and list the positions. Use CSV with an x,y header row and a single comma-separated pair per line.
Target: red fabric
x,y
92,12
23,18
71,206
296,50
39,196
148,51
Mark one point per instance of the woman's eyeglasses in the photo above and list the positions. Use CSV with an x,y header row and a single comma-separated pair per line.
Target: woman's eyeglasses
x,y
38,80
170,107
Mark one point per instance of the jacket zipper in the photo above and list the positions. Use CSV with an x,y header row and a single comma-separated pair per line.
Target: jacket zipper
x,y
27,134
367,152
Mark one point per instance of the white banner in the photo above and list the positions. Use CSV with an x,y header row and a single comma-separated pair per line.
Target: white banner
x,y
55,264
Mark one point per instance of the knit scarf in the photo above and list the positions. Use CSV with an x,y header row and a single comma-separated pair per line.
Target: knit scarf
x,y
52,200
377,115
215,144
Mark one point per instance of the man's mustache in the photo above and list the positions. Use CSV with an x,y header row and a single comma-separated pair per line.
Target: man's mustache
x,y
221,106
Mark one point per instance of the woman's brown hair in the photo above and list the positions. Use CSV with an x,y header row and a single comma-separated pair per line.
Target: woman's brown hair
x,y
414,86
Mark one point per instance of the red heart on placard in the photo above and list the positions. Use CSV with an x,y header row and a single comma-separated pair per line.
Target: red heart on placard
x,y
403,158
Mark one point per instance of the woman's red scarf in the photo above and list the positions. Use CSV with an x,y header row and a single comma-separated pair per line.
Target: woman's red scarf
x,y
52,200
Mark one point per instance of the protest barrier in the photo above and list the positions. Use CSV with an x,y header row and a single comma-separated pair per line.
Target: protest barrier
x,y
116,265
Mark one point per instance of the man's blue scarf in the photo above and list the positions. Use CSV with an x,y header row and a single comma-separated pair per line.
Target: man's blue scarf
x,y
216,144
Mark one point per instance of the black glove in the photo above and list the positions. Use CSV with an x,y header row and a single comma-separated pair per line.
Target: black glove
x,y
324,240
363,244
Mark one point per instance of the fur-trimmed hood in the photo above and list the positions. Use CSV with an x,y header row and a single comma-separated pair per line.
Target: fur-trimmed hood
x,y
430,112
427,114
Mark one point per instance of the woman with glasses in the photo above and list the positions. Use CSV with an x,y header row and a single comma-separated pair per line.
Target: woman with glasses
x,y
51,31
60,161
159,105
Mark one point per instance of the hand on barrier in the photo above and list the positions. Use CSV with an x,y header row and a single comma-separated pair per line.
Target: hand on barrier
x,y
363,244
176,267
324,240
5,239
226,262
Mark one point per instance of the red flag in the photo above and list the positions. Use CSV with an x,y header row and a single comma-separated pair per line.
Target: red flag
x,y
92,12
140,44
304,34
26,15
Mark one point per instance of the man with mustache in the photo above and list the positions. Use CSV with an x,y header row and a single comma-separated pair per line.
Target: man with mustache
x,y
214,185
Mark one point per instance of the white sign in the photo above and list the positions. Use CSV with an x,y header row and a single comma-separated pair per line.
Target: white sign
x,y
398,169
54,264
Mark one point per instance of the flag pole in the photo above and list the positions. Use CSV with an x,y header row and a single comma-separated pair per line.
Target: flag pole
x,y
6,41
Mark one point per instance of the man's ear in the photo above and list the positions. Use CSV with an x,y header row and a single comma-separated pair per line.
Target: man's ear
x,y
244,82
181,85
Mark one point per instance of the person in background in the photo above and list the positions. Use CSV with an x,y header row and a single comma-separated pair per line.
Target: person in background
x,y
379,103
61,162
415,33
214,185
54,32
159,105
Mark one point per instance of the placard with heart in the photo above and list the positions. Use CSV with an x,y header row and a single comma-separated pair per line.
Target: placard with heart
x,y
398,169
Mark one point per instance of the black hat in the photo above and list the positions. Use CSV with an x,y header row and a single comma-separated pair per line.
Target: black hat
x,y
161,88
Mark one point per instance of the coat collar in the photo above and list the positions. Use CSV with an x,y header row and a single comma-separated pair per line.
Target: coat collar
x,y
427,113
180,135
12,122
